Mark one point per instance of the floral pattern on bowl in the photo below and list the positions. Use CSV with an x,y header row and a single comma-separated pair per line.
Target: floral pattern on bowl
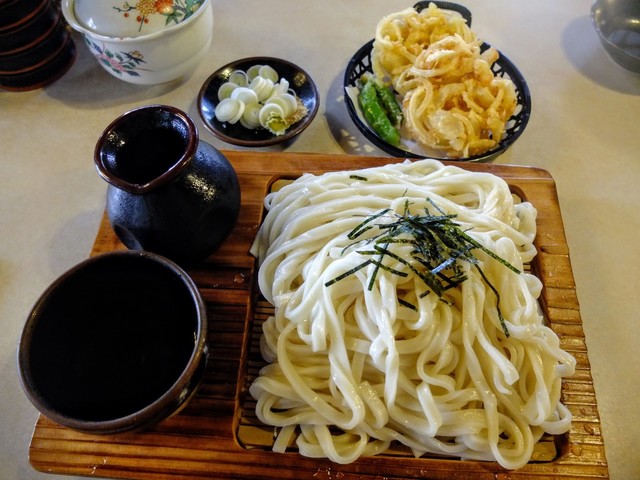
x,y
175,11
120,63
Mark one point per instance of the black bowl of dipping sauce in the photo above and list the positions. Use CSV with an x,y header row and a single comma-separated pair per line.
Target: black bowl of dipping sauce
x,y
116,343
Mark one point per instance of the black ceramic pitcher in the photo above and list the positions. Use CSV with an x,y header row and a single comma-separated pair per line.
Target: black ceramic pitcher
x,y
169,192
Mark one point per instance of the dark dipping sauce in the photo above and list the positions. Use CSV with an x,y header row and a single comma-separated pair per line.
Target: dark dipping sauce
x,y
116,348
149,154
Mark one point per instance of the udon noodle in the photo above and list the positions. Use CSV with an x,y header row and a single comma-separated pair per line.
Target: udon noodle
x,y
355,365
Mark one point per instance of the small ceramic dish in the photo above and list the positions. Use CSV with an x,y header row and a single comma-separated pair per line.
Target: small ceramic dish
x,y
36,26
617,23
145,43
43,73
299,81
361,64
39,52
36,53
15,13
116,343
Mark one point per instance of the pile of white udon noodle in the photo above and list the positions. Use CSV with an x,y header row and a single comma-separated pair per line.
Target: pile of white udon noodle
x,y
351,370
451,99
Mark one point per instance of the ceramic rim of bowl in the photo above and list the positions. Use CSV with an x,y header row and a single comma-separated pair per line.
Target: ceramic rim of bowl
x,y
67,7
167,404
189,151
631,61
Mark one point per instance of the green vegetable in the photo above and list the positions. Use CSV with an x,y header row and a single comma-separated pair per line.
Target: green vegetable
x,y
376,115
389,102
439,245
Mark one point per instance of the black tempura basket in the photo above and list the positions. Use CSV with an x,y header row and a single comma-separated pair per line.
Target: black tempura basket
x,y
360,63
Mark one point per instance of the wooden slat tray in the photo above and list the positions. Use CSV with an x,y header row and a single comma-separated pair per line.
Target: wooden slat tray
x,y
212,436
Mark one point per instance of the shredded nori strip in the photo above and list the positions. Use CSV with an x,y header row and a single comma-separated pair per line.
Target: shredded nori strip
x,y
346,274
358,177
439,245
360,229
407,304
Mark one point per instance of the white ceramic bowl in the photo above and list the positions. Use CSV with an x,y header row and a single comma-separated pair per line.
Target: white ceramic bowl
x,y
141,45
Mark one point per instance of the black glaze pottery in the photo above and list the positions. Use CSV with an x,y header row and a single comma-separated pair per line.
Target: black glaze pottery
x,y
168,192
116,343
299,81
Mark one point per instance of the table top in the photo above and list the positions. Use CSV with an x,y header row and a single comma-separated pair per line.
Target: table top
x,y
583,130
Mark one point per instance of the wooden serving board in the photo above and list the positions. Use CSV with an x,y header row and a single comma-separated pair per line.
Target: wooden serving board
x,y
209,438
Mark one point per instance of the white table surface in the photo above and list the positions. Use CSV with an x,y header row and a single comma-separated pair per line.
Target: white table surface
x,y
584,129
